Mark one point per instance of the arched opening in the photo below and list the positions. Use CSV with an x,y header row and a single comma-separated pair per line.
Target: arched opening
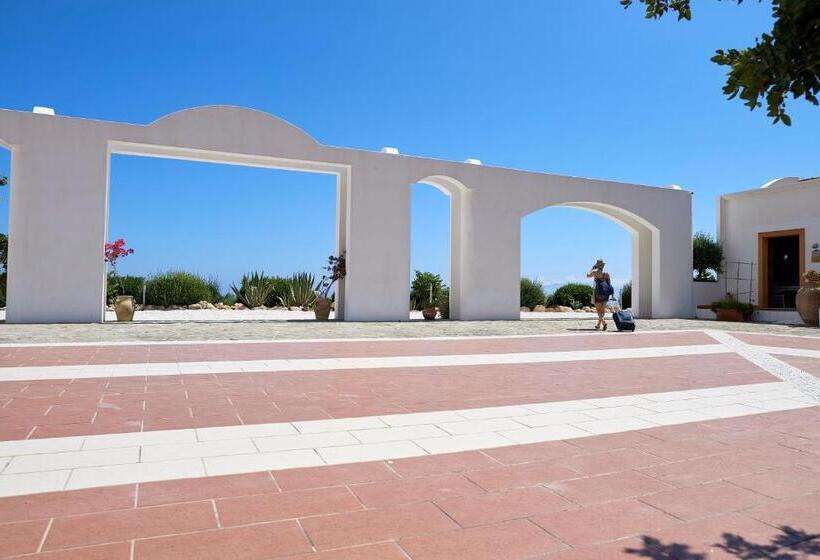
x,y
560,243
219,222
5,197
435,207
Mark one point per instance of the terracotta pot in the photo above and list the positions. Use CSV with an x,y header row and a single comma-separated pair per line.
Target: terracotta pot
x,y
124,307
321,309
429,313
808,304
731,315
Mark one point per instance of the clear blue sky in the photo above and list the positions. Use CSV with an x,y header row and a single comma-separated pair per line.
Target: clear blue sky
x,y
579,87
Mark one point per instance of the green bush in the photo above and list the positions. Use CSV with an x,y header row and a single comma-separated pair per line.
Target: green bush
x,y
625,295
707,257
3,276
125,286
280,291
573,295
420,289
532,293
301,292
254,290
443,303
178,288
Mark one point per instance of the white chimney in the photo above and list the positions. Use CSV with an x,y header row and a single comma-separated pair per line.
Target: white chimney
x,y
42,110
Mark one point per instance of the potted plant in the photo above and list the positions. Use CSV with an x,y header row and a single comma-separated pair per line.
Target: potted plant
x,y
335,270
124,305
729,309
808,298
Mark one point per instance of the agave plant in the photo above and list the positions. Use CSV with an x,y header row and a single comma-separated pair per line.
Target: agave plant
x,y
301,292
254,290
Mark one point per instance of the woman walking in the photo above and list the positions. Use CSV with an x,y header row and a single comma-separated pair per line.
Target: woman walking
x,y
603,291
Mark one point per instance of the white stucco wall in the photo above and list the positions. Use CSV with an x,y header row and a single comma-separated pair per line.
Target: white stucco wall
x,y
783,205
59,203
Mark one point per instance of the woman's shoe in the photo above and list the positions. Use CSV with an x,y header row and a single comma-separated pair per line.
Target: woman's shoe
x,y
604,326
597,327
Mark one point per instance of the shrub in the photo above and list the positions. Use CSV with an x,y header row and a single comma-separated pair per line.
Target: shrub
x,y
443,303
707,257
3,276
625,295
280,291
532,293
254,290
125,286
420,289
573,295
177,288
300,292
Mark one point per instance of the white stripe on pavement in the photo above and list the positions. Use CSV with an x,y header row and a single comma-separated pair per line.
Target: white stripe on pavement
x,y
44,465
33,373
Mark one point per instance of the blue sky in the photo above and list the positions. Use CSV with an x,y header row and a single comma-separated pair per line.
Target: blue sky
x,y
578,87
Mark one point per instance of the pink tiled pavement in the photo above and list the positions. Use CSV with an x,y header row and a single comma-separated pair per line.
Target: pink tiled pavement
x,y
547,501
56,408
164,353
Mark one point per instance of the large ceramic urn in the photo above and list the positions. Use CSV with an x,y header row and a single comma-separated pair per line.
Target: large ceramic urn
x,y
808,303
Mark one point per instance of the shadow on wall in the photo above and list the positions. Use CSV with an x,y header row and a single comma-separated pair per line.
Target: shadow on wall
x,y
789,544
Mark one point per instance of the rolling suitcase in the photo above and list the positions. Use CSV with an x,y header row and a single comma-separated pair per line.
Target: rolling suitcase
x,y
623,319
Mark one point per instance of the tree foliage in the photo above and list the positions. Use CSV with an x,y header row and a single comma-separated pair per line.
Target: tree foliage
x,y
3,181
420,289
784,61
707,256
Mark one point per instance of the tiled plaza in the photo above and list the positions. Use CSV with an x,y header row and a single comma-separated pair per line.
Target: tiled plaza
x,y
681,444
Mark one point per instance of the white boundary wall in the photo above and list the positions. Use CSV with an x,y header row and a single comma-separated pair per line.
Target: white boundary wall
x,y
59,214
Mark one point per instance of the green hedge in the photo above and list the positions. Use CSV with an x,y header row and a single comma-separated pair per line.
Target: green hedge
x,y
572,295
180,288
532,293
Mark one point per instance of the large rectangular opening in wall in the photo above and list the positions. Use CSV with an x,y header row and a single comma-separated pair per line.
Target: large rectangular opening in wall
x,y
216,222
781,267
559,246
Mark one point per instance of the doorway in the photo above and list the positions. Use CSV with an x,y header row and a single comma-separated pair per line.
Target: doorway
x,y
781,266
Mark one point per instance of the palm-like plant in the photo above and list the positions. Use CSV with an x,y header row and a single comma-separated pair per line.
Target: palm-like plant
x,y
254,290
301,292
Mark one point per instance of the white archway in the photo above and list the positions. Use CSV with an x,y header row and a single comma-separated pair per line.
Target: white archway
x,y
58,213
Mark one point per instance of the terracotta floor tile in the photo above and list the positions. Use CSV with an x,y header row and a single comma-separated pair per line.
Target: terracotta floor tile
x,y
781,482
364,527
547,451
285,505
798,513
493,507
195,489
525,474
97,528
701,470
318,477
611,461
21,538
254,542
445,463
608,487
419,489
115,551
381,551
608,442
705,500
709,537
510,540
61,504
605,522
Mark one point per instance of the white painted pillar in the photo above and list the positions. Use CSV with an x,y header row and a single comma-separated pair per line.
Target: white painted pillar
x,y
378,247
642,271
672,267
490,267
57,228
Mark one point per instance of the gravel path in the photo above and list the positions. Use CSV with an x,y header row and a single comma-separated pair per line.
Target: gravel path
x,y
255,330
